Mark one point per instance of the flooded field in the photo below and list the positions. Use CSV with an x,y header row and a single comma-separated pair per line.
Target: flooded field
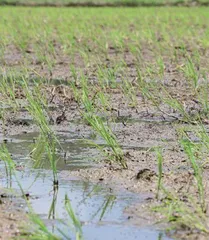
x,y
99,207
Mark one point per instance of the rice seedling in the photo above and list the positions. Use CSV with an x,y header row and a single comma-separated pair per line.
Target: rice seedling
x,y
8,162
158,94
176,105
105,132
75,223
74,74
150,70
87,102
129,91
182,215
47,137
160,170
203,96
190,214
161,66
36,107
147,90
188,148
104,101
46,144
51,153
201,146
191,73
107,77
96,122
8,86
41,230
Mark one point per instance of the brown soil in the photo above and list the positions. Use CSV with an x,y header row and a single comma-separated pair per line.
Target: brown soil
x,y
12,216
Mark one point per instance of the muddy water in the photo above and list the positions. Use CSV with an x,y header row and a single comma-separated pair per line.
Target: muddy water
x,y
99,208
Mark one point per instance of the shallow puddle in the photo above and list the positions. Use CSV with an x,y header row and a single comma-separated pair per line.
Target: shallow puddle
x,y
99,208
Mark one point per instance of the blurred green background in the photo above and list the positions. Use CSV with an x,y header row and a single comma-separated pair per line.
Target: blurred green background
x,y
107,2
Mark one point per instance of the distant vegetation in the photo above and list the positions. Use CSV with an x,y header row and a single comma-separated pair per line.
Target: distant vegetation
x,y
105,2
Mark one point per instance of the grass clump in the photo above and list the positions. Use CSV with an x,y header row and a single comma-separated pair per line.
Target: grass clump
x,y
105,132
188,148
182,215
47,141
98,125
183,210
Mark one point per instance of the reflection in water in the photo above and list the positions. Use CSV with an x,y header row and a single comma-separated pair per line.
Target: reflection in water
x,y
77,226
53,204
99,209
106,205
73,153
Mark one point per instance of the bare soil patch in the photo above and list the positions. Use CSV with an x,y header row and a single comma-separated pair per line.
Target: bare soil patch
x,y
12,216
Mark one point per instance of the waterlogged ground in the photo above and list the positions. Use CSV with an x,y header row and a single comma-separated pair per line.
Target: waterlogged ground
x,y
90,184
144,73
102,209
